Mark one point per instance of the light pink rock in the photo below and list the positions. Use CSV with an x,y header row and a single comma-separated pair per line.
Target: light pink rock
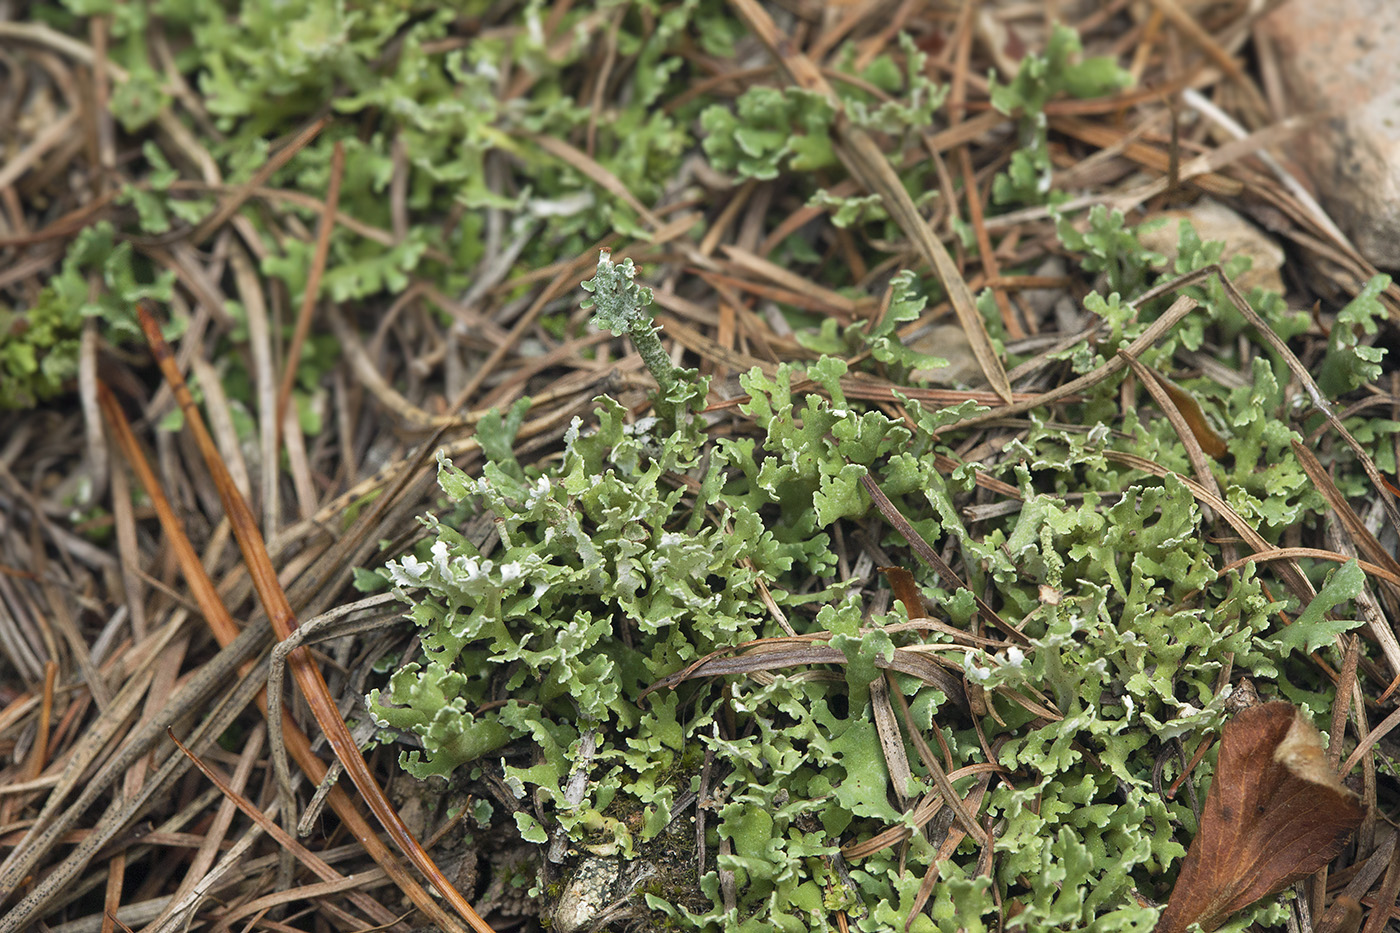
x,y
1339,58
1214,221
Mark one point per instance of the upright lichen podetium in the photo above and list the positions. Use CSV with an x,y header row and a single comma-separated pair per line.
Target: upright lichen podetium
x,y
620,305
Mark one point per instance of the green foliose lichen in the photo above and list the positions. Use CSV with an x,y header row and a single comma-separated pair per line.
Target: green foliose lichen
x,y
653,544
646,548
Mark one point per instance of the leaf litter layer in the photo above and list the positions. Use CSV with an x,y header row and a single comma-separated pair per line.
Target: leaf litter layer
x,y
827,633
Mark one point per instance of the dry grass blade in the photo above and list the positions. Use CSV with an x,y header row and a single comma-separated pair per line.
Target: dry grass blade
x,y
870,165
816,294
372,379
1158,329
1380,915
567,277
1204,166
301,199
22,161
1346,685
1312,553
213,840
211,691
1368,742
773,654
313,281
277,718
871,391
288,842
597,173
308,676
957,108
1185,428
67,627
51,824
941,778
955,838
707,348
950,795
926,809
1107,137
201,587
868,162
40,753
891,742
931,557
1184,21
225,630
1367,873
1360,535
65,226
798,298
239,195
1344,916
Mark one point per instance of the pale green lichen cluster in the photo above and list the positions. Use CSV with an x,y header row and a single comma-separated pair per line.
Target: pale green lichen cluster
x,y
643,551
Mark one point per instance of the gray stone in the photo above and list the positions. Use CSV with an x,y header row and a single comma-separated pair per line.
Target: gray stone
x,y
588,891
1338,59
599,891
1214,221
